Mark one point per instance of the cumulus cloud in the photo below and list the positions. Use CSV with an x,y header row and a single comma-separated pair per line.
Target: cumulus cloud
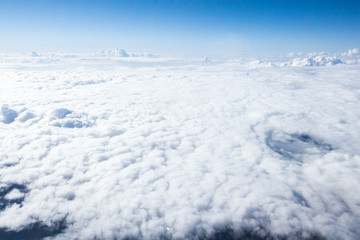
x,y
14,194
119,52
170,151
316,61
352,52
258,63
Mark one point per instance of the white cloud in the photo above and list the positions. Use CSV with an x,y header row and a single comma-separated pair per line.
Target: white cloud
x,y
119,52
179,149
352,52
14,194
316,61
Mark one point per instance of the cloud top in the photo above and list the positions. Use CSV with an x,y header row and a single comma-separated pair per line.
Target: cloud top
x,y
95,148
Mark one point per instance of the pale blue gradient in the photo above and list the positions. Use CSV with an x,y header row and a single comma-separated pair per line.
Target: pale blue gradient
x,y
183,26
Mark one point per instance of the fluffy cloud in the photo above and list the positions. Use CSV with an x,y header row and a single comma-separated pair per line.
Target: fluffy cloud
x,y
316,61
177,151
352,52
119,52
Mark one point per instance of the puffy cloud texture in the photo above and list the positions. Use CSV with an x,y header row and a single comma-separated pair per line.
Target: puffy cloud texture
x,y
158,149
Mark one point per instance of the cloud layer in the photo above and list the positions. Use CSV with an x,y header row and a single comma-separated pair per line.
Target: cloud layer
x,y
179,150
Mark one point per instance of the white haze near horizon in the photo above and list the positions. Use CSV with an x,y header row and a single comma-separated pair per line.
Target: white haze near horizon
x,y
146,147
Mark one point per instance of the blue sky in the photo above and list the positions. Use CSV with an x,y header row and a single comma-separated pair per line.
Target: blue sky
x,y
185,26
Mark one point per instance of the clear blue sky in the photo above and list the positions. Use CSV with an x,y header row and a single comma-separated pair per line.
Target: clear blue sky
x,y
180,25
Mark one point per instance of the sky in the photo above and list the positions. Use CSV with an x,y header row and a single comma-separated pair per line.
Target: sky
x,y
202,26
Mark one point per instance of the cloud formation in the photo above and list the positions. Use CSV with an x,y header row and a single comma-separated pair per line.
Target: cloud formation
x,y
179,151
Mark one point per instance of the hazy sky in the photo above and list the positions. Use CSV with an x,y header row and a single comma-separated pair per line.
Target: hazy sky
x,y
180,25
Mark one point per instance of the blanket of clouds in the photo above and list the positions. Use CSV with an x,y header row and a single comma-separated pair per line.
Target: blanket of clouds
x,y
121,147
